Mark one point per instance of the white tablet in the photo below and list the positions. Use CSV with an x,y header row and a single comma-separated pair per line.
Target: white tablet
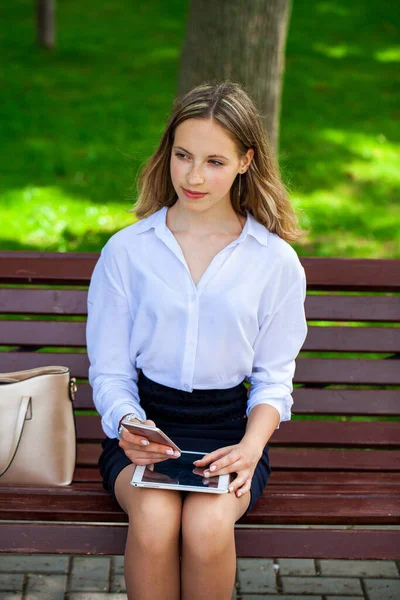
x,y
180,474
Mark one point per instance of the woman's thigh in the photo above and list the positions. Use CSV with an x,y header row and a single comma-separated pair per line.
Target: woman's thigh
x,y
154,515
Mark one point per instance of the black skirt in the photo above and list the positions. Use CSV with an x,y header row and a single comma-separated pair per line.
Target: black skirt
x,y
198,421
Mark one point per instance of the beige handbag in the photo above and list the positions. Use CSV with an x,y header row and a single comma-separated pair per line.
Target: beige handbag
x,y
37,427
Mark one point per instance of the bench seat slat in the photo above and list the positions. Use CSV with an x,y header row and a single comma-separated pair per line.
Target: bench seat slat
x,y
383,480
294,505
283,542
333,339
308,370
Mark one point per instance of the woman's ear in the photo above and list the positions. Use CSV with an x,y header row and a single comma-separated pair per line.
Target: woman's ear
x,y
246,160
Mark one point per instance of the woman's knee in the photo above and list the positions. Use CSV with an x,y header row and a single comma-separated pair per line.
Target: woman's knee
x,y
207,527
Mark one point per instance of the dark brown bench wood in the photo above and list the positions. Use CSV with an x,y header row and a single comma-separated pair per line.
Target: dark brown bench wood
x,y
335,487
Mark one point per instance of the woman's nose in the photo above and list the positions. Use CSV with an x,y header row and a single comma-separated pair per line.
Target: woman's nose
x,y
195,177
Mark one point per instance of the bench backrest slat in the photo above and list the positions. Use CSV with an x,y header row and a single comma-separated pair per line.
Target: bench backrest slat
x,y
294,433
356,274
329,339
318,307
308,371
312,401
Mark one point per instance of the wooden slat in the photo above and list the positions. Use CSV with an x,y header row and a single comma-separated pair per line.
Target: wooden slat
x,y
15,361
73,268
347,371
346,402
43,333
353,308
43,301
322,273
334,459
334,339
309,370
309,401
87,474
353,339
318,459
279,504
318,307
88,454
385,481
308,433
317,543
84,397
276,542
352,274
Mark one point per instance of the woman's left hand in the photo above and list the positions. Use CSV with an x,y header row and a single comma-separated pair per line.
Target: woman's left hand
x,y
241,458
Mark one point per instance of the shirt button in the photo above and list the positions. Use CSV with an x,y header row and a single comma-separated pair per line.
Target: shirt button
x,y
186,387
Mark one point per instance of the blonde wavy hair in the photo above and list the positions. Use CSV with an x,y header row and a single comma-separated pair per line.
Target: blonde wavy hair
x,y
262,191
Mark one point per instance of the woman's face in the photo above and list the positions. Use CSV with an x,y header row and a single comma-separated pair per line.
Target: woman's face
x,y
205,161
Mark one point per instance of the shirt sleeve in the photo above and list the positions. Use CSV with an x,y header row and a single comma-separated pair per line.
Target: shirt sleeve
x,y
277,345
112,375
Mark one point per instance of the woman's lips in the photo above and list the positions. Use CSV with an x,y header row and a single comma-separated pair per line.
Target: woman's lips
x,y
194,195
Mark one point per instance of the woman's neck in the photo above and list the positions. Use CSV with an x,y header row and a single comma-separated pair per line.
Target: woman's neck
x,y
216,220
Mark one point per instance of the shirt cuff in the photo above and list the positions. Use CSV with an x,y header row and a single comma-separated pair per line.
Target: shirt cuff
x,y
282,405
110,422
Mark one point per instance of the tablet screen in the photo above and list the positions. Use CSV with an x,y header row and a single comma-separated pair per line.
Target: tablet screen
x,y
180,471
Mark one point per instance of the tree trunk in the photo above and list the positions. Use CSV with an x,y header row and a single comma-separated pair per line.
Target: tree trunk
x,y
45,22
243,41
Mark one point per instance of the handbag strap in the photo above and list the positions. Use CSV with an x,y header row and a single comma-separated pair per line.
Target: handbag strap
x,y
23,409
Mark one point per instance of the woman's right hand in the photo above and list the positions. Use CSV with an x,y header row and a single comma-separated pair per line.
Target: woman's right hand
x,y
142,452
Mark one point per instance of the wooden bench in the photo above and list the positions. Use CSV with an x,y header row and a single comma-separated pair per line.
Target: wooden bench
x,y
335,487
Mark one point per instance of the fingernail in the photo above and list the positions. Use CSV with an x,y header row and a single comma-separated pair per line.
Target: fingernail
x,y
144,442
170,452
176,453
231,489
213,468
207,473
239,494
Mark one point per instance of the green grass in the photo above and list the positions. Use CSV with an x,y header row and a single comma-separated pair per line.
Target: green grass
x,y
76,123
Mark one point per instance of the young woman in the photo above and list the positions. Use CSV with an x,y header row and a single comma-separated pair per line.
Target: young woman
x,y
203,293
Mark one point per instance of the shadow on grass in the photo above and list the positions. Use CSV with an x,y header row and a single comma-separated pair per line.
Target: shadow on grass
x,y
90,242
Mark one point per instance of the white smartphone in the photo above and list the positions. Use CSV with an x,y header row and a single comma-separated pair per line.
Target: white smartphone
x,y
153,434
180,474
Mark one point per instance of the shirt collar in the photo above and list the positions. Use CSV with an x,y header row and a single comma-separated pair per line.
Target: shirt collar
x,y
251,227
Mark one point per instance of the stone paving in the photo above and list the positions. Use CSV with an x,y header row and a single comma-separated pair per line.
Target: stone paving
x,y
51,577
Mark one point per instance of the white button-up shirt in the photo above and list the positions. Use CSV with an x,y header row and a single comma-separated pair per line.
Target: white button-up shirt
x,y
244,319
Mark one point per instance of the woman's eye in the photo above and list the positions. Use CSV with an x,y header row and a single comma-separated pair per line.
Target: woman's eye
x,y
180,154
216,163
